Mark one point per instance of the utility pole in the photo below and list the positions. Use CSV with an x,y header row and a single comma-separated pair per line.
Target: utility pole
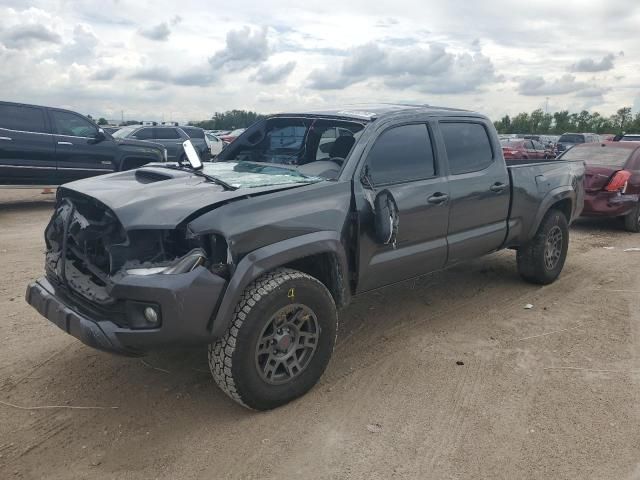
x,y
546,108
122,114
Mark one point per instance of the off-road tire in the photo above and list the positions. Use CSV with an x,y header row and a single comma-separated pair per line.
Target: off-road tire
x,y
232,358
632,220
531,257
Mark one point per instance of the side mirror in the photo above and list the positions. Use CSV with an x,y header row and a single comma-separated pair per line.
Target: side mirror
x,y
192,155
99,136
386,218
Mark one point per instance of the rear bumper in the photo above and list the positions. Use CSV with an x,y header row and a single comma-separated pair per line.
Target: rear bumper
x,y
608,204
186,302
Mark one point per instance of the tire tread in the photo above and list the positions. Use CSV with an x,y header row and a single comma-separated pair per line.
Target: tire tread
x,y
221,352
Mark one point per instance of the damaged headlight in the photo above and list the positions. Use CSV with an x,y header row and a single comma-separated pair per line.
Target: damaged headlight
x,y
189,262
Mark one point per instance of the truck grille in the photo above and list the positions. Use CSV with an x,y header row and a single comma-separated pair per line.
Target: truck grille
x,y
78,239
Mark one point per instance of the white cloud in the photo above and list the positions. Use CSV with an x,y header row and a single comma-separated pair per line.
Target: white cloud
x,y
159,32
188,60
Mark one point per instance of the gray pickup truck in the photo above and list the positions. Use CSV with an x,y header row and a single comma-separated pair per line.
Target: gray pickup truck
x,y
255,254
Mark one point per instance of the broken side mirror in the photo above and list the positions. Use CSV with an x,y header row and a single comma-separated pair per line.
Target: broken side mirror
x,y
386,218
192,155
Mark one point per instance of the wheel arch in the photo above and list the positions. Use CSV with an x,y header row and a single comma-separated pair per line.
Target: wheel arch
x,y
319,254
563,199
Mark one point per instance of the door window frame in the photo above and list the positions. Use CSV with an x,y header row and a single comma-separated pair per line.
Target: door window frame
x,y
474,121
431,140
54,126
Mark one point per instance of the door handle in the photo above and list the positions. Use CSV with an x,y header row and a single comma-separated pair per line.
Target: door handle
x,y
498,187
65,143
6,139
438,198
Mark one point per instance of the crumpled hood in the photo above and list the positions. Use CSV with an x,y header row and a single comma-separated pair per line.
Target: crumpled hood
x,y
155,197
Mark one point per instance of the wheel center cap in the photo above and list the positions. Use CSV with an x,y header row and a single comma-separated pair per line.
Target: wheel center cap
x,y
284,341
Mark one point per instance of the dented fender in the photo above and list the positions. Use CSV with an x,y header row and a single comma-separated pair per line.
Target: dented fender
x,y
267,258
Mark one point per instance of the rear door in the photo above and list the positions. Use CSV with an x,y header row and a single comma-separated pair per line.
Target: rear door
x,y
479,189
26,146
402,161
172,139
78,154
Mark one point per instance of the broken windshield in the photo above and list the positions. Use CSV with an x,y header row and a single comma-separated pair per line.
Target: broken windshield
x,y
311,146
253,175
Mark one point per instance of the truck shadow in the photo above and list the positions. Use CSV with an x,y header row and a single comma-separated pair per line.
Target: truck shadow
x,y
595,224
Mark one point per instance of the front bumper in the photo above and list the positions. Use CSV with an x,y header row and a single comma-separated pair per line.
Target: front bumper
x,y
608,204
187,303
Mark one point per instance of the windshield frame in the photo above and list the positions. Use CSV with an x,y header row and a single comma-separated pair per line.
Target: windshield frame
x,y
128,130
232,151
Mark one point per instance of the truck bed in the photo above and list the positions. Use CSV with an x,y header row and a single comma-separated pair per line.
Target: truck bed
x,y
537,185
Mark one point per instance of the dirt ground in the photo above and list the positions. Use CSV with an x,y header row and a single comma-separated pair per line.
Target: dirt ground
x,y
550,392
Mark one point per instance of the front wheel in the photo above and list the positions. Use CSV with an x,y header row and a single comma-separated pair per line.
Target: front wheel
x,y
279,341
632,220
541,260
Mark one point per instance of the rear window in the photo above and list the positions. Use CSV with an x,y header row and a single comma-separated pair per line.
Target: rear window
x,y
26,119
599,155
630,138
166,133
511,143
571,138
468,147
144,134
194,132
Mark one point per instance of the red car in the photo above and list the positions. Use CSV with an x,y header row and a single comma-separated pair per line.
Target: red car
x,y
524,149
230,137
612,180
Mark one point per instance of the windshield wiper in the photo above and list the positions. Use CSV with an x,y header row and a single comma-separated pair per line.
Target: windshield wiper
x,y
200,173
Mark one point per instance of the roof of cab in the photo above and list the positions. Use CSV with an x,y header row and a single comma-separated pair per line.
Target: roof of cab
x,y
369,112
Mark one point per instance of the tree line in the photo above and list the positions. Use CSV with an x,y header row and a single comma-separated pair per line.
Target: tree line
x,y
558,123
537,121
229,120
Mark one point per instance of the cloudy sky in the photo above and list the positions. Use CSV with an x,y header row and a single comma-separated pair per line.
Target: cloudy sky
x,y
184,60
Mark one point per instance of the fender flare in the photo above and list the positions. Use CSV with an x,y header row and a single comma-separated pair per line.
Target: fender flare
x,y
270,257
554,196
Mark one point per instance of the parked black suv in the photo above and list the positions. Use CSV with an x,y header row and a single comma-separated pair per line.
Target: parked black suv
x,y
171,137
51,146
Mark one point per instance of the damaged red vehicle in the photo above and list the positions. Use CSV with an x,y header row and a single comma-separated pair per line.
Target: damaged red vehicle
x,y
612,180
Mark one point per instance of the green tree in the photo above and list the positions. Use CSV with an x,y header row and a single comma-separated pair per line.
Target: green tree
x,y
621,119
102,121
584,122
229,120
545,124
503,125
536,118
520,123
562,123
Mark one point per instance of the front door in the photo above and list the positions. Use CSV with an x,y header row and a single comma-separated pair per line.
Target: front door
x,y
26,146
479,188
172,139
78,154
402,162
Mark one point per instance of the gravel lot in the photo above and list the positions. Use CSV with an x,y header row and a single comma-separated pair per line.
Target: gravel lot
x,y
551,392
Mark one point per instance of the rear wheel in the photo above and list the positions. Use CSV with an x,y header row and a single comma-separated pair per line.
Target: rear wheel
x,y
542,259
279,341
632,220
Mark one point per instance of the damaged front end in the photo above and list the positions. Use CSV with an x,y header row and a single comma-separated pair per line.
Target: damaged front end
x,y
141,288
